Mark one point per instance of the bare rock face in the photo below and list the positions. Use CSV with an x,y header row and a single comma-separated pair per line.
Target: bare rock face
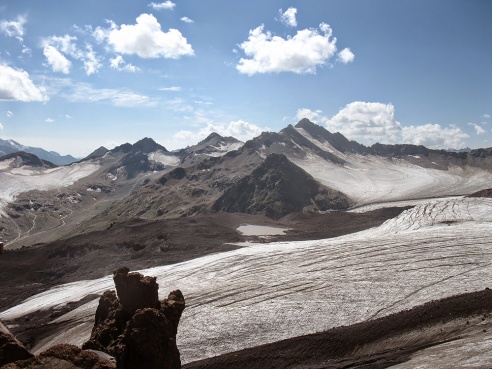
x,y
10,348
136,328
136,291
63,357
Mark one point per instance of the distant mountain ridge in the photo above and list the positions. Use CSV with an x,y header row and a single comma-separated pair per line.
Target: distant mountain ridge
x,y
11,146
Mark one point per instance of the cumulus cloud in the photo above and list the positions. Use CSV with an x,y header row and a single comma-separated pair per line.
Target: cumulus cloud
x,y
57,49
9,114
1,126
371,122
367,121
187,20
288,17
56,60
238,129
302,53
15,84
486,116
146,39
166,5
434,136
49,120
14,28
85,93
346,56
119,64
478,129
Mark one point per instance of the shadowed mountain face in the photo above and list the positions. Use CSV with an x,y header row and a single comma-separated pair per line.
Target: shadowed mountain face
x,y
276,188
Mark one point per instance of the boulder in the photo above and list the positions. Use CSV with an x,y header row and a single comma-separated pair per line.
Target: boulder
x,y
136,328
136,291
10,348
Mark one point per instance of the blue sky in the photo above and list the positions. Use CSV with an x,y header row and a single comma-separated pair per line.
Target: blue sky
x,y
75,75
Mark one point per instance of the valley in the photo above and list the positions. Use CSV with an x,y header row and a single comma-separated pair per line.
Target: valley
x,y
361,233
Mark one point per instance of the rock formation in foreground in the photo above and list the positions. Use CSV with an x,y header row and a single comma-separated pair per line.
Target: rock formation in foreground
x,y
132,330
134,327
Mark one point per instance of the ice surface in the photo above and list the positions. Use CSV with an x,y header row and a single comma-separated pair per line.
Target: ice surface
x,y
225,148
25,179
256,230
368,179
162,158
269,292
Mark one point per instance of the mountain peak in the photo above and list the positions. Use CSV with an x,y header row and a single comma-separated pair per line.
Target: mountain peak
x,y
148,145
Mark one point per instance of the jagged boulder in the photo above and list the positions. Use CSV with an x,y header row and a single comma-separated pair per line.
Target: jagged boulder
x,y
10,348
136,291
64,357
136,328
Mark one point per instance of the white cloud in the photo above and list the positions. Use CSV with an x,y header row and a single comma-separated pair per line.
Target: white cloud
x,y
56,60
85,93
1,126
367,122
486,116
49,120
172,88
57,48
119,64
91,61
147,40
187,20
479,130
238,129
434,136
289,17
14,28
167,5
9,114
371,122
346,56
15,84
302,53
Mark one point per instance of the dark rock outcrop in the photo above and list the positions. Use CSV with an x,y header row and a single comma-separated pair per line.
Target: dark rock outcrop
x,y
10,348
276,188
483,193
64,357
137,329
136,291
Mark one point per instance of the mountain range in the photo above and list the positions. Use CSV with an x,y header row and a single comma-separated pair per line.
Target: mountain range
x,y
10,146
302,168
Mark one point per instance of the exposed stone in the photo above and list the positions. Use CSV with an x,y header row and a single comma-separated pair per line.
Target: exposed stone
x,y
64,357
136,291
10,348
136,328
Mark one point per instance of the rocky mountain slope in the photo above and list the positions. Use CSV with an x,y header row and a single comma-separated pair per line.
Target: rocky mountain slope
x,y
276,188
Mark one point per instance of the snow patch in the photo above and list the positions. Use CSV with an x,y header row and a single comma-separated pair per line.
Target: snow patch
x,y
13,183
165,159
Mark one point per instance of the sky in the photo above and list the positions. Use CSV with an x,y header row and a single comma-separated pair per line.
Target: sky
x,y
76,75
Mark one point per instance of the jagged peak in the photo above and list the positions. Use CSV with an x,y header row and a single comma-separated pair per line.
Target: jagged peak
x,y
147,144
98,153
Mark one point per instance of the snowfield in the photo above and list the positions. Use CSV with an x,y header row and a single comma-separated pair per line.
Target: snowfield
x,y
269,292
368,178
14,181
